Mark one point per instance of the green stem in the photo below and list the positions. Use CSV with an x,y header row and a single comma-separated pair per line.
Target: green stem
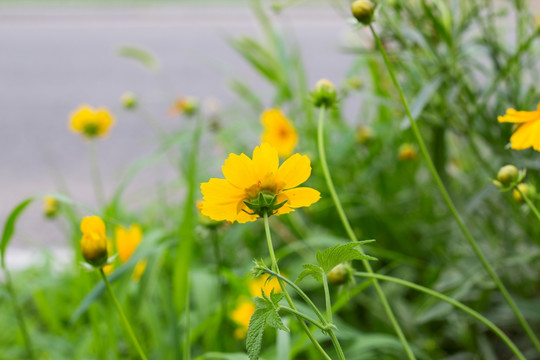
x,y
19,315
327,298
529,202
352,236
187,342
306,298
453,302
303,316
99,191
122,315
449,202
286,293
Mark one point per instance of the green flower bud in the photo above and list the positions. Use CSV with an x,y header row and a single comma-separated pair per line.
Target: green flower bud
x,y
338,275
364,134
527,189
508,175
324,94
363,10
128,101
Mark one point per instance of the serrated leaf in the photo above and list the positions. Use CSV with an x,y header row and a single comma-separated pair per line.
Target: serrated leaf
x,y
266,314
9,227
311,270
340,253
140,55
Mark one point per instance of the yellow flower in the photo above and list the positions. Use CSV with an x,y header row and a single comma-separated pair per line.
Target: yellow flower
x,y
127,241
185,105
91,123
279,132
246,178
407,152
257,285
528,132
50,206
241,315
94,241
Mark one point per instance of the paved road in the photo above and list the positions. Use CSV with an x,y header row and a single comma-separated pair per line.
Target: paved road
x,y
53,59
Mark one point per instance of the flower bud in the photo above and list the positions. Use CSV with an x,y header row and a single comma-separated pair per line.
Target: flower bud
x,y
94,241
364,134
508,175
526,189
50,206
128,101
187,105
338,275
324,94
407,152
363,10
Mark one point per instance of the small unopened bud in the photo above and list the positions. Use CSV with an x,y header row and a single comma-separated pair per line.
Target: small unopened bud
x,y
508,175
128,101
528,190
324,94
338,275
363,10
50,206
94,242
187,105
407,152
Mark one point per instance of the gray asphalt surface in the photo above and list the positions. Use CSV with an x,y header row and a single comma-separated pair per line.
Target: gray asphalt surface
x,y
52,59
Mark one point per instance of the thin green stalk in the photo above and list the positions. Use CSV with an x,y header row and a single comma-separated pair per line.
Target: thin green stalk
x,y
352,236
449,202
529,202
303,316
286,293
19,315
187,330
321,317
122,315
453,302
327,298
99,191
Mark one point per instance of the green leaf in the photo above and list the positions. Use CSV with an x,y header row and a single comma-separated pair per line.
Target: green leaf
x,y
311,270
266,314
140,55
341,253
9,227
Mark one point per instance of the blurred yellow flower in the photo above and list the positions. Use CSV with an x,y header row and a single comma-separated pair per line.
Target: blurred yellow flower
x,y
91,123
528,131
109,268
94,241
241,315
259,284
185,105
50,206
407,152
127,241
279,132
246,178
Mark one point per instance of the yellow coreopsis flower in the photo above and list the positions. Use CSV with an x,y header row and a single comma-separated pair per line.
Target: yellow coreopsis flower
x,y
94,241
241,316
90,122
259,284
248,180
50,206
279,132
127,241
528,132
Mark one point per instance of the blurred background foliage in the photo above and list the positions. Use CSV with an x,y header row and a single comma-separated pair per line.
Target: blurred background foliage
x,y
461,63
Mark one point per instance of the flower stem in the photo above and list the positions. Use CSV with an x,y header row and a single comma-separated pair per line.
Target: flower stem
x,y
449,201
96,174
529,202
19,314
327,298
284,289
453,302
352,236
122,315
303,316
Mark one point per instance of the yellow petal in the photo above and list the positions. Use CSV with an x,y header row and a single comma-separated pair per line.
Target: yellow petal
x,y
517,117
79,117
294,171
526,135
93,224
127,241
265,160
104,121
221,200
239,171
279,132
302,196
